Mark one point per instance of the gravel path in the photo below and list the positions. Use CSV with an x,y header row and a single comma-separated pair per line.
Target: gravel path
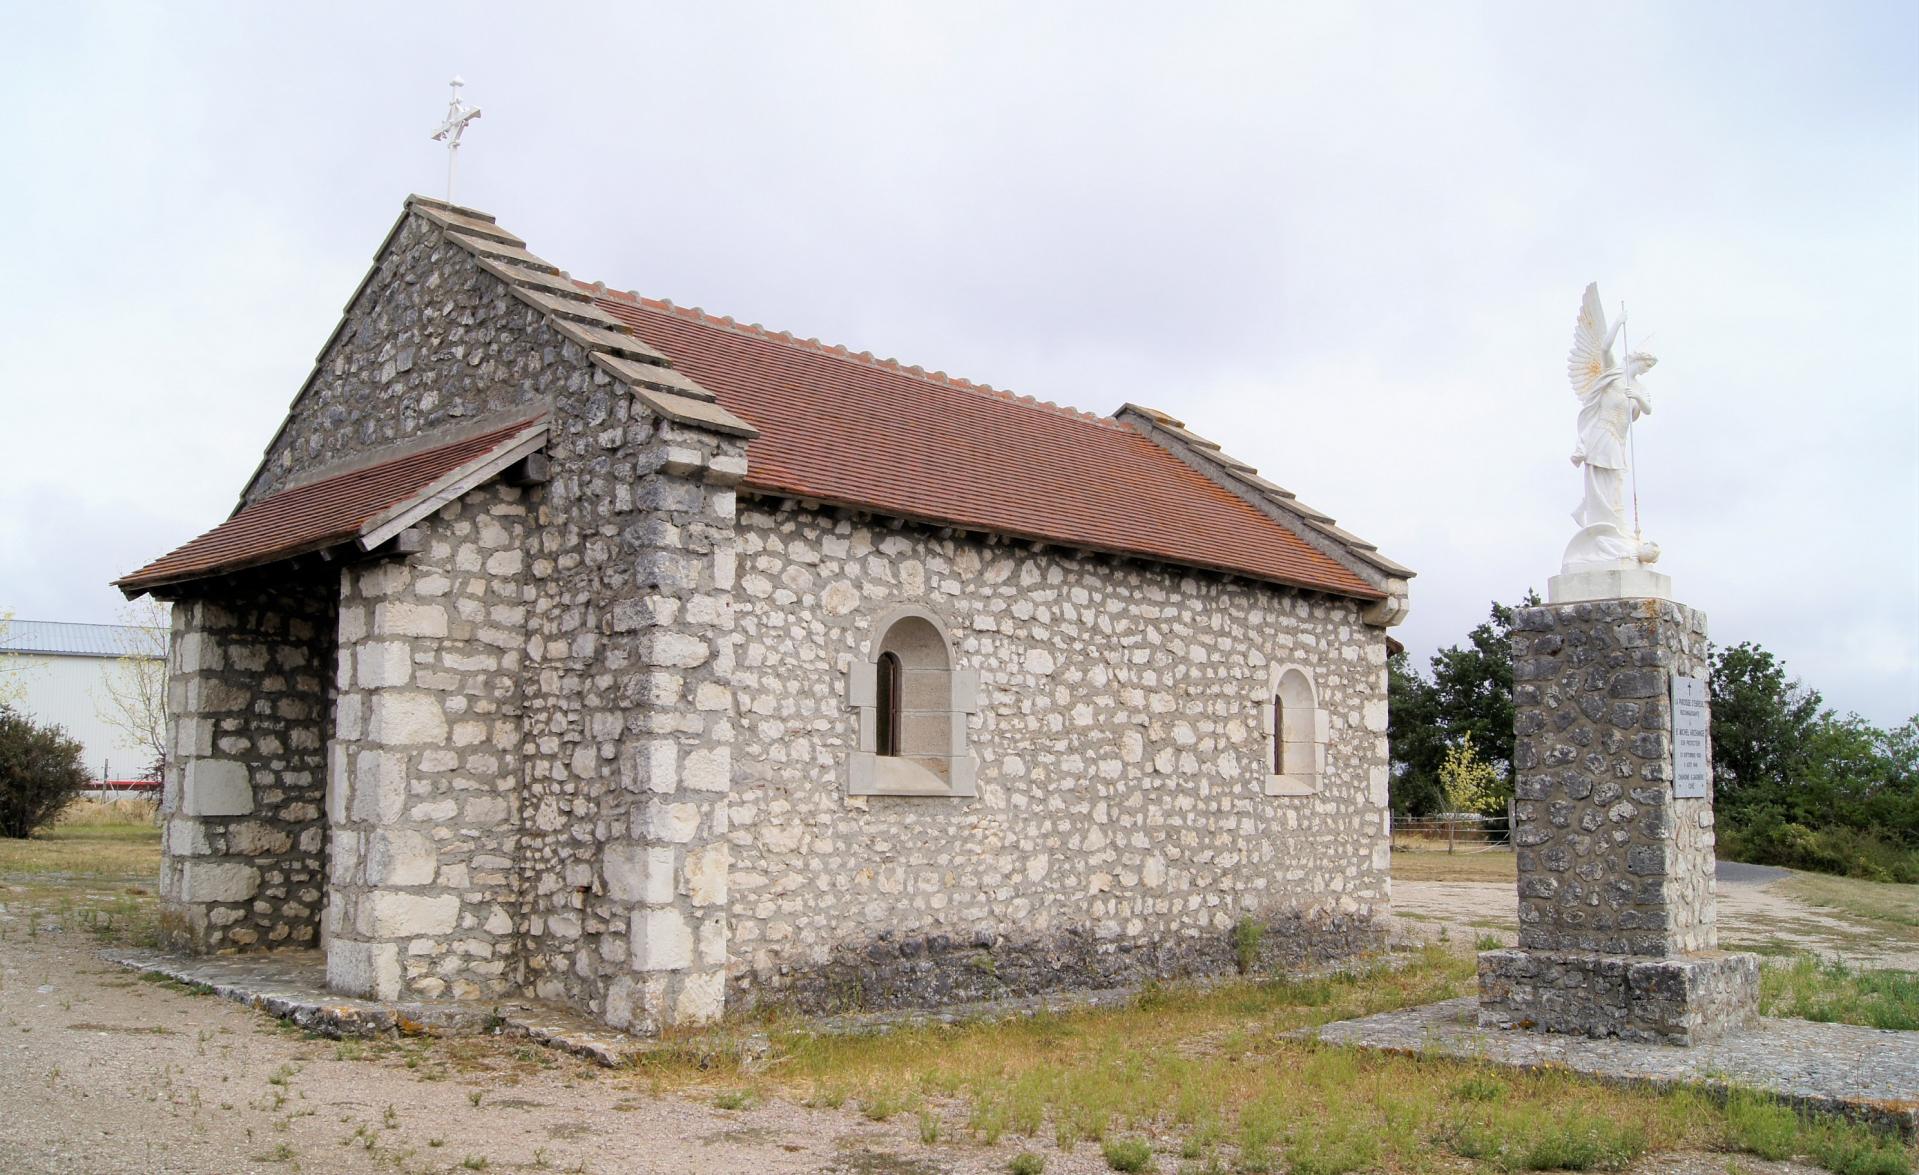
x,y
102,1072
1752,911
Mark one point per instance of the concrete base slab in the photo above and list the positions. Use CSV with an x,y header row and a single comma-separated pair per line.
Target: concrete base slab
x,y
1869,1074
292,986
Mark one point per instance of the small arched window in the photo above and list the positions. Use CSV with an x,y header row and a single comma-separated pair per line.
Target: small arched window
x,y
912,708
1298,729
886,705
1279,735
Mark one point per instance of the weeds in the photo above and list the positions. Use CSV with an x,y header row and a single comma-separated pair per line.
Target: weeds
x,y
1127,1154
1247,935
1027,1163
1831,992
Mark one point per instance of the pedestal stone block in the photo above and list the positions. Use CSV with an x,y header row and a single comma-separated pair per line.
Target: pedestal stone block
x,y
1614,844
1683,1000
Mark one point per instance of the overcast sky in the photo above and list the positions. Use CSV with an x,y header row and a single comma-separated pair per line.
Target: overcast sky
x,y
1347,241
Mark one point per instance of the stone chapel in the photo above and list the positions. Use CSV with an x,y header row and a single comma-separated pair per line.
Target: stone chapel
x,y
573,645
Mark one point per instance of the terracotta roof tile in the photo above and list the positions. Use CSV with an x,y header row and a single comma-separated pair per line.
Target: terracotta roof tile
x,y
864,432
314,516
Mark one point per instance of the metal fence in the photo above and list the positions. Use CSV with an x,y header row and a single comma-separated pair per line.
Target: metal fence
x,y
1458,831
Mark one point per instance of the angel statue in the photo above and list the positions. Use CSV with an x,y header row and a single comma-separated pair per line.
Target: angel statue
x,y
1610,399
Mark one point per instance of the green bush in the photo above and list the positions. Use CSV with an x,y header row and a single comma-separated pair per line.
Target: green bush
x,y
1129,1154
41,773
1027,1163
1247,934
1767,838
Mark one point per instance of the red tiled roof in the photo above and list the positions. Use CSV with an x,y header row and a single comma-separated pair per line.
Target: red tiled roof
x,y
311,517
854,431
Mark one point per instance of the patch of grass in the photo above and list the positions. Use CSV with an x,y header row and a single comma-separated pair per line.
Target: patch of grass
x,y
733,1099
1421,861
1831,992
93,839
1127,1154
1214,1064
1888,907
1027,1163
1574,1139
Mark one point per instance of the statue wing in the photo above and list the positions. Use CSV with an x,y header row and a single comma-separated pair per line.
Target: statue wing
x,y
1591,356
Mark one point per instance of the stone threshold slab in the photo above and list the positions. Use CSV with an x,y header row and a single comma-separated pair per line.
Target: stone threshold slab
x,y
292,986
1868,1074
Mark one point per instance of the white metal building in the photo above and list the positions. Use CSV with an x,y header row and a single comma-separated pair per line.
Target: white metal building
x,y
64,670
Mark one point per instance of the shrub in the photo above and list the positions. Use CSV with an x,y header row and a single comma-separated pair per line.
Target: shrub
x,y
1247,934
1128,1154
40,773
1765,838
1027,1163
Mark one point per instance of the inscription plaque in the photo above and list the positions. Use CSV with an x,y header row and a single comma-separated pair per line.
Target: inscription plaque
x,y
1691,730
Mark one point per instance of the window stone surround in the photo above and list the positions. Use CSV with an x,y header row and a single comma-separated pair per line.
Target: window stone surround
x,y
955,689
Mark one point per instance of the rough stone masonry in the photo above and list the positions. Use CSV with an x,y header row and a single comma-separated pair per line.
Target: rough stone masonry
x,y
589,735
1616,932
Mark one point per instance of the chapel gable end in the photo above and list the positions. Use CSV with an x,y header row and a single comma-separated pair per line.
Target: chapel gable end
x,y
434,342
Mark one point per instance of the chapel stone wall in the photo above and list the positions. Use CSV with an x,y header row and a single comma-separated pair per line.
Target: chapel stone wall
x,y
630,722
249,705
430,342
426,759
1121,827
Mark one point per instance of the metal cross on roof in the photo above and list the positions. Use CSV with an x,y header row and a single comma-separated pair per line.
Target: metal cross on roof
x,y
458,114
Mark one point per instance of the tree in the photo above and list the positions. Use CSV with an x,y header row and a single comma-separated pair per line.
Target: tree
x,y
1469,783
40,773
1417,742
1763,725
133,698
1470,695
13,673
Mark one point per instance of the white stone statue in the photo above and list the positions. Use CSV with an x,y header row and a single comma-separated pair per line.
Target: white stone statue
x,y
1610,399
1608,557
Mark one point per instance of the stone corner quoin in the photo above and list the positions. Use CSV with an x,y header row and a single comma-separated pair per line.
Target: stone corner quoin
x,y
585,738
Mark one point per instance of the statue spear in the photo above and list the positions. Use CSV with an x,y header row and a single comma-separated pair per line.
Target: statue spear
x,y
1632,438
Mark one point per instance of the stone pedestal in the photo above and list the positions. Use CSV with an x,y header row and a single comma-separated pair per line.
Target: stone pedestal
x,y
1616,909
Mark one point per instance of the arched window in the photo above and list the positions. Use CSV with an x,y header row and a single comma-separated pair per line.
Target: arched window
x,y
1279,737
886,708
912,708
1298,729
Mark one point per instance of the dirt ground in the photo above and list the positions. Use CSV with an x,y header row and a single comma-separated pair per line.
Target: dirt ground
x,y
1756,913
103,1072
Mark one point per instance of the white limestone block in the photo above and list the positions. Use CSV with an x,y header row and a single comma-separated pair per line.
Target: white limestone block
x,y
661,940
397,857
217,881
710,769
216,787
706,871
369,970
399,719
379,786
713,940
385,914
186,838
669,823
702,998
383,663
399,618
